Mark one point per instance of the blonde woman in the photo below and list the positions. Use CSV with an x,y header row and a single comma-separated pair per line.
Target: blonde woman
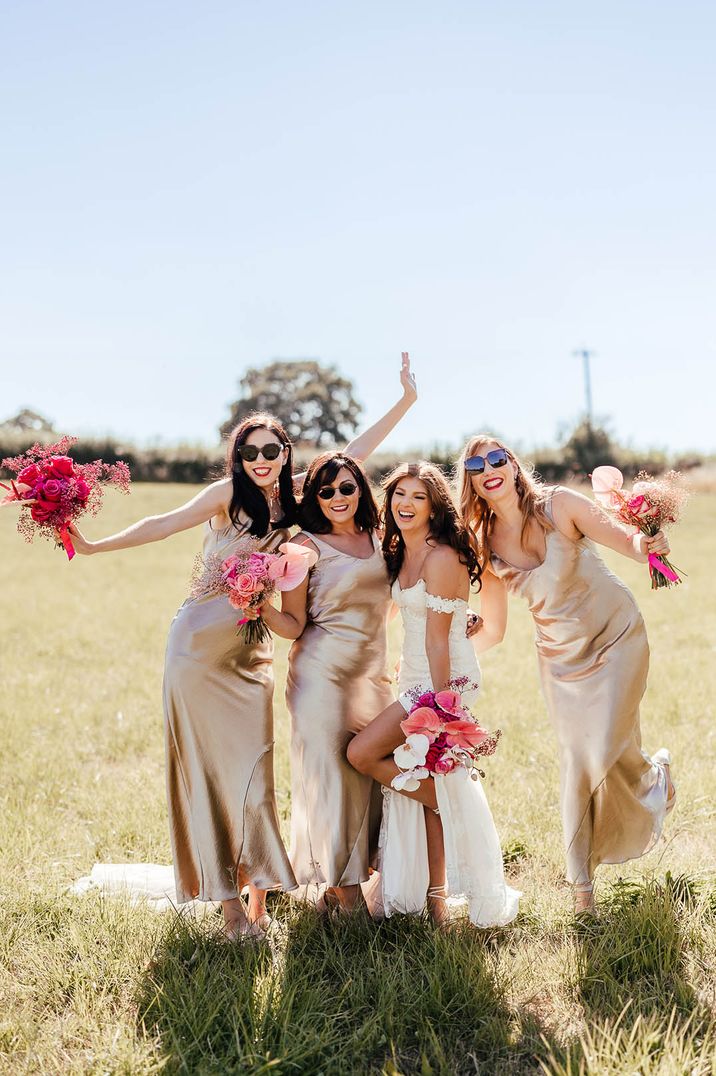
x,y
536,541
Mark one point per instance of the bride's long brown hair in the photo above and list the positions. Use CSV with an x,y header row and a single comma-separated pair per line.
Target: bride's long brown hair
x,y
476,513
445,525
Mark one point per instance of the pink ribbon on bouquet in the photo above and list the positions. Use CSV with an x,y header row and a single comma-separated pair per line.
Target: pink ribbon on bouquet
x,y
66,541
658,565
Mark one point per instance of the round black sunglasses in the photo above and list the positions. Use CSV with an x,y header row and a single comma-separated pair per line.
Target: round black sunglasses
x,y
327,493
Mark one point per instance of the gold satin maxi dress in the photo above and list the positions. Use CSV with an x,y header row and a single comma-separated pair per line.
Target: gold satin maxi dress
x,y
218,706
337,682
593,658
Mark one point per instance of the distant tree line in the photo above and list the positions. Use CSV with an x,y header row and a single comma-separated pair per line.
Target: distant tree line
x,y
318,408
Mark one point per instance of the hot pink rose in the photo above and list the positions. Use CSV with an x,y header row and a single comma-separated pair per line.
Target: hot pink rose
x,y
52,489
639,505
445,765
434,752
29,475
60,467
82,490
41,510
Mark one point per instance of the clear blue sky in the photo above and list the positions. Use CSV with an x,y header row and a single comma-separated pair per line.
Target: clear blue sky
x,y
191,188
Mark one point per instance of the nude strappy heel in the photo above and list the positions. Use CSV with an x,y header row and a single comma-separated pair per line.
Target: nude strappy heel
x,y
437,893
583,893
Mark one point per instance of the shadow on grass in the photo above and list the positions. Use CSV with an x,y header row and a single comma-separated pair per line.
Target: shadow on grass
x,y
631,980
345,996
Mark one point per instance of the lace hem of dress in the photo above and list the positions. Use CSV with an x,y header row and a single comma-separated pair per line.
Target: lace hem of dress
x,y
442,605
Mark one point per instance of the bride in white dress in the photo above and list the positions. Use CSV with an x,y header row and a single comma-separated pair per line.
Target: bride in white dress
x,y
440,840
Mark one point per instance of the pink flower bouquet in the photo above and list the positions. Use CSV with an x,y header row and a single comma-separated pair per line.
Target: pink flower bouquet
x,y
652,504
250,577
58,490
440,734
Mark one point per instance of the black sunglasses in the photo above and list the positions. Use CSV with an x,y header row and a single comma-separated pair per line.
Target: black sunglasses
x,y
476,464
271,451
327,493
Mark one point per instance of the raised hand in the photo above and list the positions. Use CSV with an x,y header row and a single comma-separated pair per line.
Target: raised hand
x,y
407,378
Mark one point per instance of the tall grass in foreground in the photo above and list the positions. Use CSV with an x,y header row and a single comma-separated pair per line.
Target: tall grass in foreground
x,y
96,986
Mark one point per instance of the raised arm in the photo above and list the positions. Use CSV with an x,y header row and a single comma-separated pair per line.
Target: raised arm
x,y
444,578
493,610
211,501
578,516
365,443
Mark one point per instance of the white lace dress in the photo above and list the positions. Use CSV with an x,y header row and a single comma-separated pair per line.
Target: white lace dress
x,y
472,847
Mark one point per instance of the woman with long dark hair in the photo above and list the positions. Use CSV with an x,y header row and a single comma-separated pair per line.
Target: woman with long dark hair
x,y
536,541
440,838
337,679
218,689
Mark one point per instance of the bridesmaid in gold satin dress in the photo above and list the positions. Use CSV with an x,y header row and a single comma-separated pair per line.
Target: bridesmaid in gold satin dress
x,y
593,654
218,690
337,679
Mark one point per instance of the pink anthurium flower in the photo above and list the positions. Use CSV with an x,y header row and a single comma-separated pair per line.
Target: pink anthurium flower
x,y
424,721
606,483
464,734
288,571
450,702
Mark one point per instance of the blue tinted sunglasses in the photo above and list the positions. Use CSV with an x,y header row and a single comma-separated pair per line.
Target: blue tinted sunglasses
x,y
476,464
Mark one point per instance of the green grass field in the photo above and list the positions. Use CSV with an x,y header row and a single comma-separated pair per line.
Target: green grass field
x,y
95,986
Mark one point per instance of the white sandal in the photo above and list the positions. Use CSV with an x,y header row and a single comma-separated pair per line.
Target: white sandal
x,y
663,758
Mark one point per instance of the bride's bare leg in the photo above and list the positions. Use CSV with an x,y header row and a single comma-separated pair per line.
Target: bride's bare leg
x,y
436,864
371,752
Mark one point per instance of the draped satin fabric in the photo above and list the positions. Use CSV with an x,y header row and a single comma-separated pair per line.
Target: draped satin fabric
x,y
218,704
593,658
337,683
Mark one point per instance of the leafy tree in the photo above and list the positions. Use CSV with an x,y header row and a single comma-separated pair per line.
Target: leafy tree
x,y
587,447
313,402
27,421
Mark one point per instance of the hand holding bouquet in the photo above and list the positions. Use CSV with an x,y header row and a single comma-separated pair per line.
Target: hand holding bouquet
x,y
652,504
441,734
58,490
249,579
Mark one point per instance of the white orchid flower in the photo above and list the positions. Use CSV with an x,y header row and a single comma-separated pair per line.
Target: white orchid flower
x,y
412,752
409,781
